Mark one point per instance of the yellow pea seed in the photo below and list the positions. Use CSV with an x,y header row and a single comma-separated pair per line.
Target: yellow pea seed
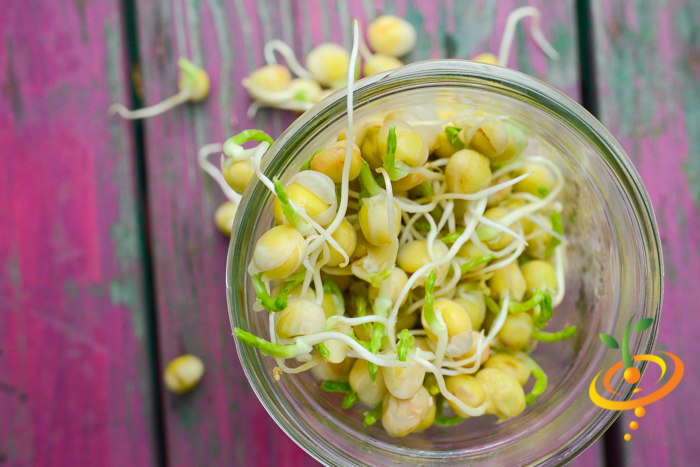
x,y
371,393
541,177
505,397
301,317
467,389
279,252
508,280
239,175
224,215
392,36
467,172
328,63
486,58
539,276
271,77
346,237
183,373
374,220
516,331
331,161
303,198
510,365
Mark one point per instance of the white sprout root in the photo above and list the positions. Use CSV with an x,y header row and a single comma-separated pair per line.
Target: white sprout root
x,y
154,110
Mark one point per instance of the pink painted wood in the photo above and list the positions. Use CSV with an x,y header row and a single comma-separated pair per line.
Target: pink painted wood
x,y
648,61
75,377
221,422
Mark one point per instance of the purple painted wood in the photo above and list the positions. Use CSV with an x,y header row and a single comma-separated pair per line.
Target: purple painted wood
x,y
74,367
222,422
648,60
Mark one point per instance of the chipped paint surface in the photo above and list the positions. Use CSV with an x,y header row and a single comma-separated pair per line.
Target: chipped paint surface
x,y
648,74
74,367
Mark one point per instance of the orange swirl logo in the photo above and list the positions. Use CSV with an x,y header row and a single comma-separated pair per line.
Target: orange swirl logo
x,y
632,375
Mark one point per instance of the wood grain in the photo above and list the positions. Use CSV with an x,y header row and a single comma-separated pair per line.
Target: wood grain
x,y
75,372
648,61
222,422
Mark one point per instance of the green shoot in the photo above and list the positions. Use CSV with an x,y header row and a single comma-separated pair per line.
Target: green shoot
x,y
188,73
516,308
425,189
231,144
491,305
307,164
364,344
428,307
422,226
293,281
406,341
431,384
361,306
369,185
542,192
452,133
396,169
375,344
542,336
439,418
278,304
539,374
323,350
342,388
376,279
476,262
292,216
544,312
268,348
374,415
349,399
555,218
336,386
452,237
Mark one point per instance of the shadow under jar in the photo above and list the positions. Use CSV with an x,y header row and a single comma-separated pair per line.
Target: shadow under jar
x,y
614,272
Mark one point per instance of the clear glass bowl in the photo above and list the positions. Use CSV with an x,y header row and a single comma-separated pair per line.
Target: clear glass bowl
x,y
615,271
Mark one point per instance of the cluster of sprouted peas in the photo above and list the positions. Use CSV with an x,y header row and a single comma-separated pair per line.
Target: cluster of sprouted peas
x,y
417,259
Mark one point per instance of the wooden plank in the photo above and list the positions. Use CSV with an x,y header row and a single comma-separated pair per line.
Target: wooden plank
x,y
648,62
222,421
75,372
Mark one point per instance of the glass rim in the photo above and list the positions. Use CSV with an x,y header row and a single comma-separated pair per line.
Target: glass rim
x,y
445,73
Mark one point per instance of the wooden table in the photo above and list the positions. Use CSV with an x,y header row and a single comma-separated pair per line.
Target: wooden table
x,y
110,264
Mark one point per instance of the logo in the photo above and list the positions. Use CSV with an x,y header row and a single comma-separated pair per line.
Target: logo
x,y
632,375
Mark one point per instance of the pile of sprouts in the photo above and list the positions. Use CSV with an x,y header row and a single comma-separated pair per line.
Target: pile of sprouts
x,y
415,261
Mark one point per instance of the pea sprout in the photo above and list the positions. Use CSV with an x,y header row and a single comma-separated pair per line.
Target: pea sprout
x,y
193,87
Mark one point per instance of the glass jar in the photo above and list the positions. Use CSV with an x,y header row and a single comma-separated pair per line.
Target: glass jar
x,y
614,272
